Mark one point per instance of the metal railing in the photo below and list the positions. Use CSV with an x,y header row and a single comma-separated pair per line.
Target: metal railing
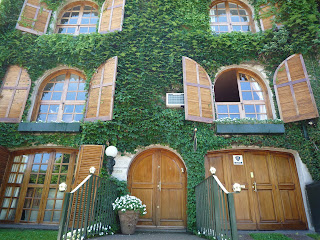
x,y
215,210
87,210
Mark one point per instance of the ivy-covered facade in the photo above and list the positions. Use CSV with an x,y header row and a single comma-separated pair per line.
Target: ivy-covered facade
x,y
121,73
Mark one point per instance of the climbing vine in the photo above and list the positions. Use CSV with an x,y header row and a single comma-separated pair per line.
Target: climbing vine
x,y
156,34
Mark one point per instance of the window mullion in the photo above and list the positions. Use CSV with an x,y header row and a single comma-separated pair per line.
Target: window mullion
x,y
230,29
63,96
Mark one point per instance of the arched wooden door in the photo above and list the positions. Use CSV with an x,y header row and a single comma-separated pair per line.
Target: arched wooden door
x,y
158,177
272,197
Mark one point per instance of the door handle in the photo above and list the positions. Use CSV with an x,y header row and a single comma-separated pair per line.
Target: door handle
x,y
254,186
159,186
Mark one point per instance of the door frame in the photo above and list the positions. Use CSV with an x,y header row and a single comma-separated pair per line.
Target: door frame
x,y
171,151
304,176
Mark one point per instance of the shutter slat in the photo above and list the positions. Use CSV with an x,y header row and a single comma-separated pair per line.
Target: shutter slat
x,y
89,156
14,94
101,93
293,90
34,17
111,18
197,92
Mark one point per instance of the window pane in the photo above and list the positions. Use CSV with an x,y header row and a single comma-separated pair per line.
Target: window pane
x,y
93,20
72,86
222,109
256,86
79,108
249,108
245,86
223,28
71,96
233,116
262,116
245,28
250,115
73,20
81,86
233,108
232,5
74,78
35,168
46,96
65,15
261,109
85,21
242,12
54,108
71,30
78,117
41,118
67,118
83,29
62,30
48,87
44,108
81,96
244,19
56,96
222,19
235,19
237,28
246,95
221,5
87,8
58,205
234,12
56,216
257,96
92,29
58,86
47,216
68,108
52,118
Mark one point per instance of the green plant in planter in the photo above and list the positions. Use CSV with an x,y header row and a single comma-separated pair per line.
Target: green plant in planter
x,y
247,120
127,203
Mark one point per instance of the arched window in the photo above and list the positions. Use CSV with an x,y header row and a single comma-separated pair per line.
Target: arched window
x,y
228,16
78,18
61,98
240,94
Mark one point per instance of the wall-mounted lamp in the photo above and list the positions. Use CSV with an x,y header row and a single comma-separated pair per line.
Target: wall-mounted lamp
x,y
62,187
111,153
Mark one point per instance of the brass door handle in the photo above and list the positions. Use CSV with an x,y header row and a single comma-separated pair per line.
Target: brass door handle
x,y
255,187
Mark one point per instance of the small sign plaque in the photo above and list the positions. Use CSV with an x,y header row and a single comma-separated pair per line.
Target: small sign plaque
x,y
237,160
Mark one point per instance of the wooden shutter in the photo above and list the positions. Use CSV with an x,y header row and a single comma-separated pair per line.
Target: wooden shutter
x,y
111,18
34,17
4,159
198,101
266,17
14,94
293,90
101,92
89,156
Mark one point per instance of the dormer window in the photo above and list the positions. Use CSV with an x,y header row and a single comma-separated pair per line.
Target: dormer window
x,y
78,18
228,16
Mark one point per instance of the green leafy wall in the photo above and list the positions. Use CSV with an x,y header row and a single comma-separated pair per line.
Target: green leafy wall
x,y
156,34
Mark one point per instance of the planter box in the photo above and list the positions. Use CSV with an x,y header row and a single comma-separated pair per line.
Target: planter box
x,y
250,128
49,127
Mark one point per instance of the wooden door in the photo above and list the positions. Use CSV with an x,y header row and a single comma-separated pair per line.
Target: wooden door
x,y
158,178
272,198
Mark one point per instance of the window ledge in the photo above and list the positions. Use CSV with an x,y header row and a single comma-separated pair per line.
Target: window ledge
x,y
49,127
265,128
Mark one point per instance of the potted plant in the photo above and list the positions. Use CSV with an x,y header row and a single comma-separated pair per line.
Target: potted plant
x,y
129,209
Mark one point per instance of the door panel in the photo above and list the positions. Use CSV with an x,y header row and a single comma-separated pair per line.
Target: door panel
x,y
243,202
158,178
272,197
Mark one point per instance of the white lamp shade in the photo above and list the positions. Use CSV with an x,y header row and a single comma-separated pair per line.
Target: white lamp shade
x,y
111,151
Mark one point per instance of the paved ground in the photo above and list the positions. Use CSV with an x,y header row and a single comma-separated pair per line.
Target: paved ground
x,y
243,235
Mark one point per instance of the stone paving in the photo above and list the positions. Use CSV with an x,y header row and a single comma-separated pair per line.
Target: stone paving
x,y
243,235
